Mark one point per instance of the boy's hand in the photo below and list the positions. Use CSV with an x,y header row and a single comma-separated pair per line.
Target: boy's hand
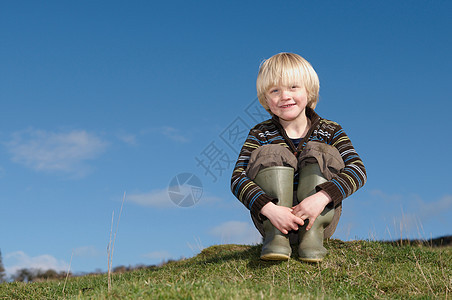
x,y
281,217
311,207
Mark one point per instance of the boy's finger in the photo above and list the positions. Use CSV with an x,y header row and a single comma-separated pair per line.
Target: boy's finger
x,y
300,221
294,226
311,222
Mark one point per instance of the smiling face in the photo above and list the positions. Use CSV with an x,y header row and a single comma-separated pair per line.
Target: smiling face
x,y
288,72
287,102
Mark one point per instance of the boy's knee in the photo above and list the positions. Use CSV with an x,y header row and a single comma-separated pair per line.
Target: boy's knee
x,y
269,156
330,163
326,156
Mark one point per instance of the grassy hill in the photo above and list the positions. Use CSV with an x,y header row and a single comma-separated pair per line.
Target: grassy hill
x,y
356,269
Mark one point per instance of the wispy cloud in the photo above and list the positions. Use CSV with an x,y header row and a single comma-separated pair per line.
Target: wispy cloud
x,y
174,134
158,255
432,209
414,204
391,198
128,138
87,251
381,215
421,211
156,198
55,151
161,198
236,232
168,132
19,260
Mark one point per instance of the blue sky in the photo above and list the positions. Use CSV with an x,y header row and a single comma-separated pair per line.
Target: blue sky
x,y
102,98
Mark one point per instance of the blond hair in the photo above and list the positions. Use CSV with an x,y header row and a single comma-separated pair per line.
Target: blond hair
x,y
287,69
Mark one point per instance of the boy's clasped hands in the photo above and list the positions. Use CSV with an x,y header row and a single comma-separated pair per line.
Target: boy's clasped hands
x,y
286,219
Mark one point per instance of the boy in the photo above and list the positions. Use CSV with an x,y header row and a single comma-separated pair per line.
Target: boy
x,y
295,169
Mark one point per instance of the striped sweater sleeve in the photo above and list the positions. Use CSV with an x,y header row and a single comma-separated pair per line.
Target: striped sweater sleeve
x,y
249,193
352,177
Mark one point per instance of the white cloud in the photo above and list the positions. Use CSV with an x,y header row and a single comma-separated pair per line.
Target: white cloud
x,y
379,215
169,132
87,251
55,151
161,198
425,211
386,197
237,232
413,204
156,198
433,209
174,134
130,139
208,199
19,260
158,255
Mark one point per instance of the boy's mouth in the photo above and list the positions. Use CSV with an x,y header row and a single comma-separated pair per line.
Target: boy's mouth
x,y
288,105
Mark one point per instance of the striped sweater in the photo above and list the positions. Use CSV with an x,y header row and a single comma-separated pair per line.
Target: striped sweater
x,y
348,181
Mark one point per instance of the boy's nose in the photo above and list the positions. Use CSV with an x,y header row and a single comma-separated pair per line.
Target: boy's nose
x,y
286,94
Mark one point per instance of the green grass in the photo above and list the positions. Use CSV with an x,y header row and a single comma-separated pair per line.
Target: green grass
x,y
357,269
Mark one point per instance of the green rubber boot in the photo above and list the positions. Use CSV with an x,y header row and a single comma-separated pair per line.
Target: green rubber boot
x,y
276,182
310,247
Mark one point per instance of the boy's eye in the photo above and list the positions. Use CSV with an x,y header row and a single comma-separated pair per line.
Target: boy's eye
x,y
272,91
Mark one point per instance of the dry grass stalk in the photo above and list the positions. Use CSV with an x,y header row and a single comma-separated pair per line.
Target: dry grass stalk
x,y
109,253
68,271
422,273
111,249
